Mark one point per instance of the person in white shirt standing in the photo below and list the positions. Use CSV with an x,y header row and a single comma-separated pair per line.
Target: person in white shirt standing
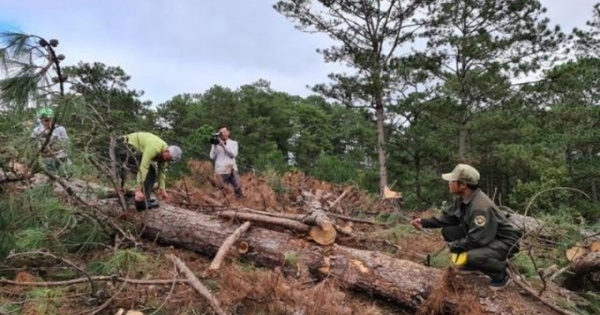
x,y
224,151
54,155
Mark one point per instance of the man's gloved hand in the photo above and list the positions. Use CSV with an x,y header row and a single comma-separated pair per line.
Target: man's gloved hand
x,y
459,259
455,247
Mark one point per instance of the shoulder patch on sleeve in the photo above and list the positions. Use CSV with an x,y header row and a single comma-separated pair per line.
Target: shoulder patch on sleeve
x,y
480,220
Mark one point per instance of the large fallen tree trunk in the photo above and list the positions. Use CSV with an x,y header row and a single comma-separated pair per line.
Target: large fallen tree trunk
x,y
535,227
529,225
401,281
585,265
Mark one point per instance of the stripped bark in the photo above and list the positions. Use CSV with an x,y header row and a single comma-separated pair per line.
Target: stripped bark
x,y
216,263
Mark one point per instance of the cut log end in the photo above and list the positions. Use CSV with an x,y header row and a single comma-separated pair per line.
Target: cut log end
x,y
243,247
325,267
323,236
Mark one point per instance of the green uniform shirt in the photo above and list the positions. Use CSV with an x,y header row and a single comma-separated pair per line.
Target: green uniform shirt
x,y
481,219
151,146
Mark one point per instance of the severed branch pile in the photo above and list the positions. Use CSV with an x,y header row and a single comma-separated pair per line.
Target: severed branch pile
x,y
315,222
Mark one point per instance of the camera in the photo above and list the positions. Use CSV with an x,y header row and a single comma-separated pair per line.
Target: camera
x,y
214,138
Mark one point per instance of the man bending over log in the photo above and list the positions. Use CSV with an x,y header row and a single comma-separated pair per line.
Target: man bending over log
x,y
479,235
136,153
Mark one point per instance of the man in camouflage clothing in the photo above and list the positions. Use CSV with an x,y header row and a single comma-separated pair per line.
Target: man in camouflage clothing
x,y
54,155
479,235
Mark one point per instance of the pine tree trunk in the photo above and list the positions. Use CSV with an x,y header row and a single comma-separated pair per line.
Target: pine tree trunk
x,y
462,143
379,113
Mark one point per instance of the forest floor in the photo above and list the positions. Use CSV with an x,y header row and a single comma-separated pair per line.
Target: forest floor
x,y
240,287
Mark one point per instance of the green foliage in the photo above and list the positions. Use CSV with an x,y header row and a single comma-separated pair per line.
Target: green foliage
x,y
36,219
272,159
46,300
9,309
127,260
552,199
122,261
334,169
441,260
275,181
396,233
524,265
368,41
291,258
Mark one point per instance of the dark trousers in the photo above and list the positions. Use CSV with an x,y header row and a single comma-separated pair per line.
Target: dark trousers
x,y
491,259
57,165
128,160
232,178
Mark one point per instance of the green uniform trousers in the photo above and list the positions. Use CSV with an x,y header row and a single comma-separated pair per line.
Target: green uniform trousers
x,y
490,260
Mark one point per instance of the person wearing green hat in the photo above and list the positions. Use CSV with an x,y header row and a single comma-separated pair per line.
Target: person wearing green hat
x,y
137,152
54,154
480,236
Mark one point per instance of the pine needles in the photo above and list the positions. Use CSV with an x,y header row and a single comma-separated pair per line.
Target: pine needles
x,y
17,59
34,219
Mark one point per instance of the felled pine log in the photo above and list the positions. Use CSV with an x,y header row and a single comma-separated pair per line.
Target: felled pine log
x,y
9,177
529,225
583,268
315,221
406,283
535,227
587,264
323,231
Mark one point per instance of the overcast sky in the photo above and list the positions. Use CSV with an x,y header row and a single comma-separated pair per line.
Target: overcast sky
x,y
186,46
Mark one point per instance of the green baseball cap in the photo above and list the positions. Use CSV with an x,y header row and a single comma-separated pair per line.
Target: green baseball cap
x,y
45,112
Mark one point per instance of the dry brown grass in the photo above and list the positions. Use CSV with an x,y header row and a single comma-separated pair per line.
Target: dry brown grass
x,y
270,191
240,288
270,292
453,288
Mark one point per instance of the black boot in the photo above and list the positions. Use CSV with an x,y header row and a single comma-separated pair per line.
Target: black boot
x,y
500,281
146,204
238,193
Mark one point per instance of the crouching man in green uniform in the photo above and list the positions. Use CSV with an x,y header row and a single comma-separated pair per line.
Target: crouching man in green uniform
x,y
479,235
136,153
